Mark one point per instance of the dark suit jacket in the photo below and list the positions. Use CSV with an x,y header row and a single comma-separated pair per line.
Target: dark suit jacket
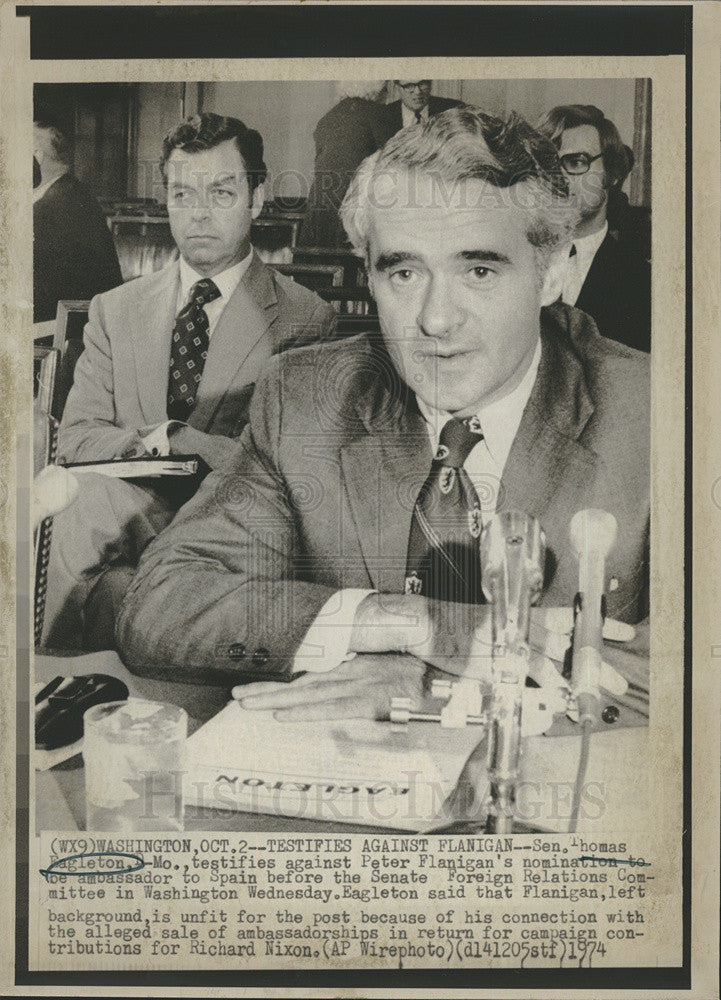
x,y
320,496
349,132
352,130
435,106
73,251
120,388
617,294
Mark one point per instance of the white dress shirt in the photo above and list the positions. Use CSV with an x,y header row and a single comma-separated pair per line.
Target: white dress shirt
x,y
409,117
579,265
327,640
40,190
226,282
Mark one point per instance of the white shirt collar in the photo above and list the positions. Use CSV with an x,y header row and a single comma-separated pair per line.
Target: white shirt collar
x,y
499,420
409,117
39,191
587,246
227,281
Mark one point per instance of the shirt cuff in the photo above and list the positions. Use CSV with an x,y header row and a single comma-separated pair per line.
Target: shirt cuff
x,y
327,640
156,443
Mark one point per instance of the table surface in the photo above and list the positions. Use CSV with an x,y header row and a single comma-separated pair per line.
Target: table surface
x,y
548,761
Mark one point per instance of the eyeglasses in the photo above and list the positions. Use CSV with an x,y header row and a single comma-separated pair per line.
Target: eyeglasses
x,y
578,163
420,84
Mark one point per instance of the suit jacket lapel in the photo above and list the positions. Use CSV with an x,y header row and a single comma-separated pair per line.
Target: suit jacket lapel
x,y
383,471
152,328
238,341
548,471
594,291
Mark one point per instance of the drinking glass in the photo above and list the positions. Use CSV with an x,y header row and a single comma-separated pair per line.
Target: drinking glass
x,y
134,754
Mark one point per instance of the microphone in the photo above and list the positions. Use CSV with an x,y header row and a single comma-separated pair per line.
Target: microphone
x,y
513,552
593,535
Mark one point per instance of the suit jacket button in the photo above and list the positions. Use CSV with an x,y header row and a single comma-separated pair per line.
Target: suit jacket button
x,y
236,651
260,657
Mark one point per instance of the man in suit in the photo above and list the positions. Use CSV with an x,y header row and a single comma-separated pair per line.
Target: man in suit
x,y
353,129
73,252
170,359
348,520
605,278
416,104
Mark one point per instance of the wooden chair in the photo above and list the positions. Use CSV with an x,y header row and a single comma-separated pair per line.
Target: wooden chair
x,y
72,315
70,320
349,299
350,324
45,447
280,230
46,361
313,276
143,244
354,272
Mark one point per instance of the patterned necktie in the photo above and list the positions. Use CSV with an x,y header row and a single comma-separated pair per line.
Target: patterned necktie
x,y
189,349
443,550
418,116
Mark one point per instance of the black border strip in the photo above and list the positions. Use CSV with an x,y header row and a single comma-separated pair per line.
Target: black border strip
x,y
73,32
303,31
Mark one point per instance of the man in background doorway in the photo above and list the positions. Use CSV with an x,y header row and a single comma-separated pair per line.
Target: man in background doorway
x,y
73,251
605,278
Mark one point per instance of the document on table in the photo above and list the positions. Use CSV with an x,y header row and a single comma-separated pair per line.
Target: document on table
x,y
346,771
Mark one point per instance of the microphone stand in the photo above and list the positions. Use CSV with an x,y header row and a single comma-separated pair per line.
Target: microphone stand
x,y
512,559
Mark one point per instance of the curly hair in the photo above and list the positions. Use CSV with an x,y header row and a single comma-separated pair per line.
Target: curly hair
x,y
464,143
618,158
200,132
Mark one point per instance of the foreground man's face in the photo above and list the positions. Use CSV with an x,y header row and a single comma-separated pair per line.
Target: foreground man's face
x,y
457,287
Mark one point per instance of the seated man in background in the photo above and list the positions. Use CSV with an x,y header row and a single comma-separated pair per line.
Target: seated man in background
x,y
611,282
170,359
348,520
73,252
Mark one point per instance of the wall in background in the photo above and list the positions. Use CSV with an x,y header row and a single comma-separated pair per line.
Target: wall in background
x,y
285,113
160,107
532,98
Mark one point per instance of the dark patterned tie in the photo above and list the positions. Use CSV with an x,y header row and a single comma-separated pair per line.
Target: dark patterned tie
x,y
189,349
418,116
443,550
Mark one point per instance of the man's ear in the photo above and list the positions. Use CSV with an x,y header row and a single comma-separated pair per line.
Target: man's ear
x,y
552,287
369,271
258,201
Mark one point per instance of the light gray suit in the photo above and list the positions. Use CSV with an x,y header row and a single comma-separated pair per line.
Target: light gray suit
x,y
119,395
121,379
320,496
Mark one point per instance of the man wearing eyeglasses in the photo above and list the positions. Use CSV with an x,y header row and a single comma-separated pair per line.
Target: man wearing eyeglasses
x,y
605,278
416,104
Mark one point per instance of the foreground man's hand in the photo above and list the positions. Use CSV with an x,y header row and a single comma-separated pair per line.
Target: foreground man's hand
x,y
457,638
396,639
361,688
